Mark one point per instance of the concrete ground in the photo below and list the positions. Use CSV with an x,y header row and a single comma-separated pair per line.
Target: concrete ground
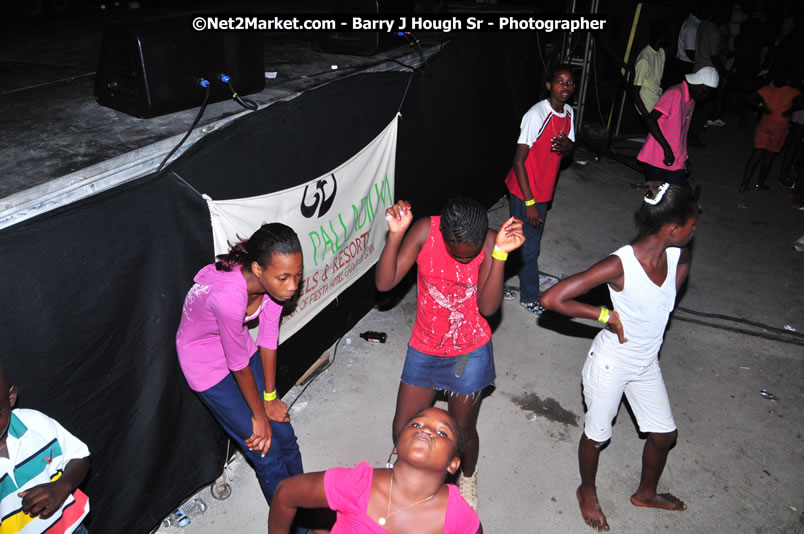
x,y
739,457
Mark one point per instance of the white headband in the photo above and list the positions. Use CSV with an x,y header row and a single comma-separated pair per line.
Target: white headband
x,y
659,194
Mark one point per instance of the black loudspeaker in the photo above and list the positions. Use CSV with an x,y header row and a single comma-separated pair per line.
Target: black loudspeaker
x,y
363,43
152,67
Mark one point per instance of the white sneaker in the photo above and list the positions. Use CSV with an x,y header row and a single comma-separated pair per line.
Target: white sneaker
x,y
468,487
716,122
533,307
508,293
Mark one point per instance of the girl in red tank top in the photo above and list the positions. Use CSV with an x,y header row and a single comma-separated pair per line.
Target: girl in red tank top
x,y
460,281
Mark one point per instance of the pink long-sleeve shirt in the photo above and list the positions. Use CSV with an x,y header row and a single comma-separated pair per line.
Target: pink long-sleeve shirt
x,y
213,339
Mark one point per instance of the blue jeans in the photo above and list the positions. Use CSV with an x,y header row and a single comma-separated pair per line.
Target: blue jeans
x,y
227,404
529,272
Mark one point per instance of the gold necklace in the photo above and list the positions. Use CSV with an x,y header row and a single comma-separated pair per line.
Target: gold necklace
x,y
384,520
560,131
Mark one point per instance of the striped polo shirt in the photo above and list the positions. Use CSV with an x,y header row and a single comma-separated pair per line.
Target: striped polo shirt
x,y
39,449
676,108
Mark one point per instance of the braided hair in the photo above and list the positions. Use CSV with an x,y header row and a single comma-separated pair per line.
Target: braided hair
x,y
270,239
664,204
464,220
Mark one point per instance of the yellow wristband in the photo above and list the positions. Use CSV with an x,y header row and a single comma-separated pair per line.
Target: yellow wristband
x,y
530,202
604,315
499,254
269,396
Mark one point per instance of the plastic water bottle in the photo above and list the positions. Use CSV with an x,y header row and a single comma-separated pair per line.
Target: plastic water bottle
x,y
194,508
177,519
185,514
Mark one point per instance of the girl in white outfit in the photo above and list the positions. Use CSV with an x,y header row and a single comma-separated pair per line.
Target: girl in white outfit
x,y
643,278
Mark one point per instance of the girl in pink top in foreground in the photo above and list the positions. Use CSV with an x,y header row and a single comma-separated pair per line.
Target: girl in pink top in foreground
x,y
409,497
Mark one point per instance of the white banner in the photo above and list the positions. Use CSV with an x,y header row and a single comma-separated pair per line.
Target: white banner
x,y
339,217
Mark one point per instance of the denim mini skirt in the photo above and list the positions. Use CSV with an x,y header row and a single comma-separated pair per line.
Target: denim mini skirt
x,y
464,374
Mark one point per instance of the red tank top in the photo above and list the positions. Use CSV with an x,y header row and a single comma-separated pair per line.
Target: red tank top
x,y
448,322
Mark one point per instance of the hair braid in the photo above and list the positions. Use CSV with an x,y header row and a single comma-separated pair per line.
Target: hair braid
x,y
464,220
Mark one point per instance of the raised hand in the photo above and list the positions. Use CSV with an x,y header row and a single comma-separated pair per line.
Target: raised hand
x,y
399,216
510,237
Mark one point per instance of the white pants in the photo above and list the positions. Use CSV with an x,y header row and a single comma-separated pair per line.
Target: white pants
x,y
606,376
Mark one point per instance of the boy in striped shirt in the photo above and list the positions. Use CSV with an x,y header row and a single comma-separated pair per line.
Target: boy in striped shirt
x,y
41,465
665,150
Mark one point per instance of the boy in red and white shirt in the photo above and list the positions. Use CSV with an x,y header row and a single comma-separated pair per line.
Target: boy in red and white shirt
x,y
546,137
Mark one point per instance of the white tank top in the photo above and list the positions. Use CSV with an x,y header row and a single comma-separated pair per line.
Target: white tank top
x,y
644,308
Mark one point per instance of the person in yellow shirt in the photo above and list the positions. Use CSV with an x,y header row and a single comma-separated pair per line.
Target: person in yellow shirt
x,y
649,67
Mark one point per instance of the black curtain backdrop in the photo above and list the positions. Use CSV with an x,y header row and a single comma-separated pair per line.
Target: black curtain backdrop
x,y
93,295
93,290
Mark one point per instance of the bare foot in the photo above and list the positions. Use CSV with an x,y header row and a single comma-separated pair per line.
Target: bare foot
x,y
665,501
590,510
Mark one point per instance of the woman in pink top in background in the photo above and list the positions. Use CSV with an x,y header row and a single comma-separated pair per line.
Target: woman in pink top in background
x,y
233,375
408,497
460,278
665,150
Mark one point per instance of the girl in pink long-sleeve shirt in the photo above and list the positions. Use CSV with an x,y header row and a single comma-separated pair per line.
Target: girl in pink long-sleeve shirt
x,y
234,376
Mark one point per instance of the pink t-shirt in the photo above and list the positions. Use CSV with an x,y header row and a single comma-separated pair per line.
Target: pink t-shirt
x,y
676,108
348,491
448,322
212,339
